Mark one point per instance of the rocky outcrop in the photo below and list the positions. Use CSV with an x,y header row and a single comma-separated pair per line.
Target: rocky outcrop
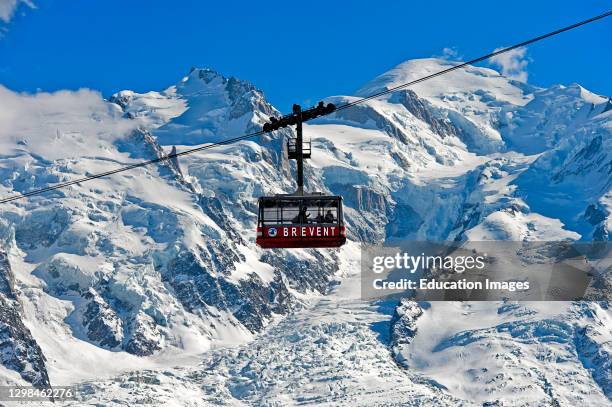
x,y
251,301
403,327
104,327
597,215
145,338
18,349
596,355
424,111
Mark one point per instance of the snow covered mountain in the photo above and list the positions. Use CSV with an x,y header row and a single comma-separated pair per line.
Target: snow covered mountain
x,y
151,268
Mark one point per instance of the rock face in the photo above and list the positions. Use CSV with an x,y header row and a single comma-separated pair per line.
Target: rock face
x,y
18,349
102,323
598,216
251,301
422,110
404,327
594,349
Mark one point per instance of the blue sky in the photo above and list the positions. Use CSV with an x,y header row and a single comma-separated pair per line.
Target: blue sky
x,y
293,51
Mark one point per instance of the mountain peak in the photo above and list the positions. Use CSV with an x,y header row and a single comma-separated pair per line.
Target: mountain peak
x,y
204,106
208,79
468,79
579,91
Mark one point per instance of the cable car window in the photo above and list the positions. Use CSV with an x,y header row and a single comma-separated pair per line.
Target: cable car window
x,y
280,212
322,211
290,213
305,211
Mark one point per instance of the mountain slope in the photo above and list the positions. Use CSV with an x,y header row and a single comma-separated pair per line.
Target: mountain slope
x,y
155,266
147,262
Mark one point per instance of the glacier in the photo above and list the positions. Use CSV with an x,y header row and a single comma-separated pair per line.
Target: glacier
x,y
152,276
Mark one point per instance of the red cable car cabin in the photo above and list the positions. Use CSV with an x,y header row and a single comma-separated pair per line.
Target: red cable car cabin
x,y
294,221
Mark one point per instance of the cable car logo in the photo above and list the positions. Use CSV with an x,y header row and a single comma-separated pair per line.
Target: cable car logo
x,y
272,232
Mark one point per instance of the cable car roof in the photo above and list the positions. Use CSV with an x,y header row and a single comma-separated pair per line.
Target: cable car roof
x,y
313,196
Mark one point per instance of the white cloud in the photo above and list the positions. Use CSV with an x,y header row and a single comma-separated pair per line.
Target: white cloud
x,y
513,63
8,7
60,124
450,53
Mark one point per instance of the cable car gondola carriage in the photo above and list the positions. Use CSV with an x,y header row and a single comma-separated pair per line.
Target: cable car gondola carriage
x,y
294,221
300,220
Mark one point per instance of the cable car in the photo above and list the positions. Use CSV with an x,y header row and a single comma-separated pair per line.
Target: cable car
x,y
300,220
294,221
